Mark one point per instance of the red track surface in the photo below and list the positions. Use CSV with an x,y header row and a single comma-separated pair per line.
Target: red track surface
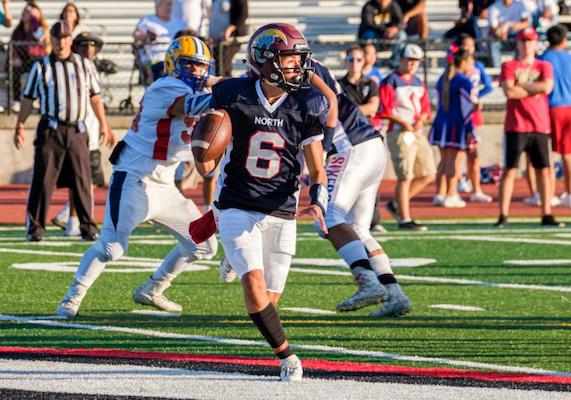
x,y
324,365
13,203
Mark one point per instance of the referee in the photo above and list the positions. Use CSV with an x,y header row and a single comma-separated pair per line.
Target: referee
x,y
64,82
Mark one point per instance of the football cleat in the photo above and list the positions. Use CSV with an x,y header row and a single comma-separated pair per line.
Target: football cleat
x,y
72,300
369,291
396,306
227,273
150,293
291,369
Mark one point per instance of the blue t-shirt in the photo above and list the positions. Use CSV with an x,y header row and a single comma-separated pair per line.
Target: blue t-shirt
x,y
561,61
376,75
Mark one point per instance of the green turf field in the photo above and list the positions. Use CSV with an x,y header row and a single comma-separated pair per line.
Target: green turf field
x,y
523,315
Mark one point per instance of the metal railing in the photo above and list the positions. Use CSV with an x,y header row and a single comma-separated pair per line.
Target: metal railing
x,y
120,73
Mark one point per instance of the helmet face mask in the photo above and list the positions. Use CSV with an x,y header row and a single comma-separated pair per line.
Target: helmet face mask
x,y
189,59
192,72
270,46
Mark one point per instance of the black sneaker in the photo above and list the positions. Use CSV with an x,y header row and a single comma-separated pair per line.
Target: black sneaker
x,y
32,237
413,226
89,237
58,222
549,221
392,208
502,222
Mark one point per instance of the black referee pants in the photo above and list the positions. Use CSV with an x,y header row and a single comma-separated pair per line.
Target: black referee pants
x,y
61,151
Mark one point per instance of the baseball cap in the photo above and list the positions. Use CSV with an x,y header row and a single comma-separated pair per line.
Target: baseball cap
x,y
60,29
527,34
87,38
412,51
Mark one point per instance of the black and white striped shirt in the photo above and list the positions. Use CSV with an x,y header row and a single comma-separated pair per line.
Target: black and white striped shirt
x,y
64,87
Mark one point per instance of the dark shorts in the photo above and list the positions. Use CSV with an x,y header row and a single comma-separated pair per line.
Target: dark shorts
x,y
97,177
536,146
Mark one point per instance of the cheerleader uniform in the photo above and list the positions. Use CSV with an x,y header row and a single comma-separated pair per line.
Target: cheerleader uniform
x,y
453,127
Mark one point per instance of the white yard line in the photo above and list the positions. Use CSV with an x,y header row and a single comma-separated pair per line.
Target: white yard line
x,y
455,307
242,342
111,380
489,231
308,310
326,272
454,281
512,240
538,262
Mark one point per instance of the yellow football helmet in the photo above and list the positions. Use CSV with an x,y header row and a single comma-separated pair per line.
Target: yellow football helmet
x,y
183,51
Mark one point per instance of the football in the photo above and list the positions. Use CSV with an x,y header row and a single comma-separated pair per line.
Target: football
x,y
211,135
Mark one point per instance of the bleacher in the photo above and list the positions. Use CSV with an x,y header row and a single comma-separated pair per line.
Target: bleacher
x,y
333,23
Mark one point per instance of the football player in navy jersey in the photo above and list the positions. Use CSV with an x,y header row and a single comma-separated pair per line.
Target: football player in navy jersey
x,y
355,167
276,123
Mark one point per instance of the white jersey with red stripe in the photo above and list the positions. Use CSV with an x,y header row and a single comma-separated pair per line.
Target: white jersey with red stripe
x,y
405,98
154,132
157,142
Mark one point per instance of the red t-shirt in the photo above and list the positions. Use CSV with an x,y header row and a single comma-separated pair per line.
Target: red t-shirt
x,y
530,114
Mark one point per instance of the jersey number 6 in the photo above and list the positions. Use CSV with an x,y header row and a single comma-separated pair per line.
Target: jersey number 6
x,y
264,163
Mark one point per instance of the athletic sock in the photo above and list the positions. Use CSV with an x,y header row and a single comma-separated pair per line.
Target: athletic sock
x,y
382,267
355,255
172,266
90,267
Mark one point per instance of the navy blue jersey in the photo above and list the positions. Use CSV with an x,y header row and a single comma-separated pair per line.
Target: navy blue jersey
x,y
354,128
260,170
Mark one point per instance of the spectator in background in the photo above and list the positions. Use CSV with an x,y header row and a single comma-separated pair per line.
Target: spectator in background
x,y
87,46
370,69
61,149
70,14
526,82
452,128
5,16
506,19
152,37
415,18
544,14
191,14
227,22
405,103
364,91
34,30
482,85
470,12
560,102
380,19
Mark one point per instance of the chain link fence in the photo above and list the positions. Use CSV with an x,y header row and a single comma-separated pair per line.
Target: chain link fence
x,y
122,77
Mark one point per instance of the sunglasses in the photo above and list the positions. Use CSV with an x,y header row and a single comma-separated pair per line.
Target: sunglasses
x,y
88,42
354,59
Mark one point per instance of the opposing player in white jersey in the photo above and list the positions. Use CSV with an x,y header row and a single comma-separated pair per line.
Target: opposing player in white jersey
x,y
142,187
355,166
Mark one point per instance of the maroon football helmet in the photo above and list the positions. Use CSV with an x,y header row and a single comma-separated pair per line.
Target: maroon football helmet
x,y
268,44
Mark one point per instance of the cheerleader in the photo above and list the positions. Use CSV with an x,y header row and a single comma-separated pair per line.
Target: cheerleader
x,y
452,130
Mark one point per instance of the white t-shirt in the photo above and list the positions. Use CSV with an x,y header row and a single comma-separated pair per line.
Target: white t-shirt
x,y
91,122
190,14
499,14
164,30
540,6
